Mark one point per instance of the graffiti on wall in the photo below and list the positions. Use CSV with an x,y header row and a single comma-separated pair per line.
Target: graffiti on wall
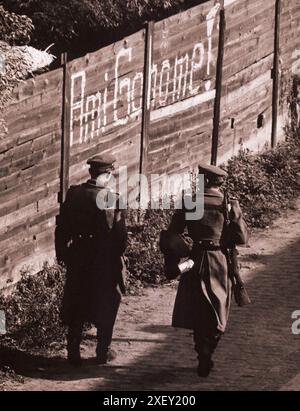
x,y
173,86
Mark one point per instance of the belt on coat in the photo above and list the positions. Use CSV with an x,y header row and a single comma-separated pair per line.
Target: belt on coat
x,y
207,245
83,237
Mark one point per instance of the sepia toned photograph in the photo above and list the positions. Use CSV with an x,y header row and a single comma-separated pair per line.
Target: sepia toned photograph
x,y
149,198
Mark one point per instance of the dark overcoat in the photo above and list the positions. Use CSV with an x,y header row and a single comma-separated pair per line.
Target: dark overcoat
x,y
204,293
91,242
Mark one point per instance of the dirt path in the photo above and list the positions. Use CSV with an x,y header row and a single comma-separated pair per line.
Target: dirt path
x,y
258,352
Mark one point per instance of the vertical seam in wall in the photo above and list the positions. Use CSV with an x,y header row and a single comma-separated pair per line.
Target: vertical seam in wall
x,y
219,75
275,73
65,135
148,57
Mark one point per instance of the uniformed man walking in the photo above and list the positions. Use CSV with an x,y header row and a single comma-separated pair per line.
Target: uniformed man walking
x,y
204,293
90,241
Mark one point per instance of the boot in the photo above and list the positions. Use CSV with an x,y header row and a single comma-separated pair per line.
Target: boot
x,y
73,346
205,366
205,347
74,357
105,355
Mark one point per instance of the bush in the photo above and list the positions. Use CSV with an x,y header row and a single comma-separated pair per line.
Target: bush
x,y
74,25
32,310
15,29
265,183
144,256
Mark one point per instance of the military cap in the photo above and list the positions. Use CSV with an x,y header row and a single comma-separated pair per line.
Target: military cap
x,y
102,163
211,170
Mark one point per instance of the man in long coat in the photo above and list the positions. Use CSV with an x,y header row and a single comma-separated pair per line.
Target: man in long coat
x,y
204,293
90,241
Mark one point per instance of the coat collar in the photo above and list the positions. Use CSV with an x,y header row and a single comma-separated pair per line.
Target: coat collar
x,y
213,192
93,183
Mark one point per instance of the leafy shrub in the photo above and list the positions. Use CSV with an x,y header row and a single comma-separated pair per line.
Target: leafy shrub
x,y
32,310
72,24
144,256
265,183
14,29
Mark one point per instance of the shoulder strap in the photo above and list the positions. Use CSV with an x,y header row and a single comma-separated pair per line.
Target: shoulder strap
x,y
225,208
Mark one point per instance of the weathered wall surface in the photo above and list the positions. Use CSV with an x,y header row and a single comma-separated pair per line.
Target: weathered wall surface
x,y
105,105
151,101
30,174
107,95
183,89
247,78
290,60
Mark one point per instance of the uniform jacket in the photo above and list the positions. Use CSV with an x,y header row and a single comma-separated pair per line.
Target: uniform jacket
x,y
204,293
91,242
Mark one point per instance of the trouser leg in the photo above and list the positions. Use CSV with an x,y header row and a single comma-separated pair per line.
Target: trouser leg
x,y
105,326
74,338
205,346
104,352
104,337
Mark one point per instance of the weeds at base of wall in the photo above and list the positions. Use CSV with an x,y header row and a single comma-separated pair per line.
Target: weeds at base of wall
x,y
265,184
33,310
